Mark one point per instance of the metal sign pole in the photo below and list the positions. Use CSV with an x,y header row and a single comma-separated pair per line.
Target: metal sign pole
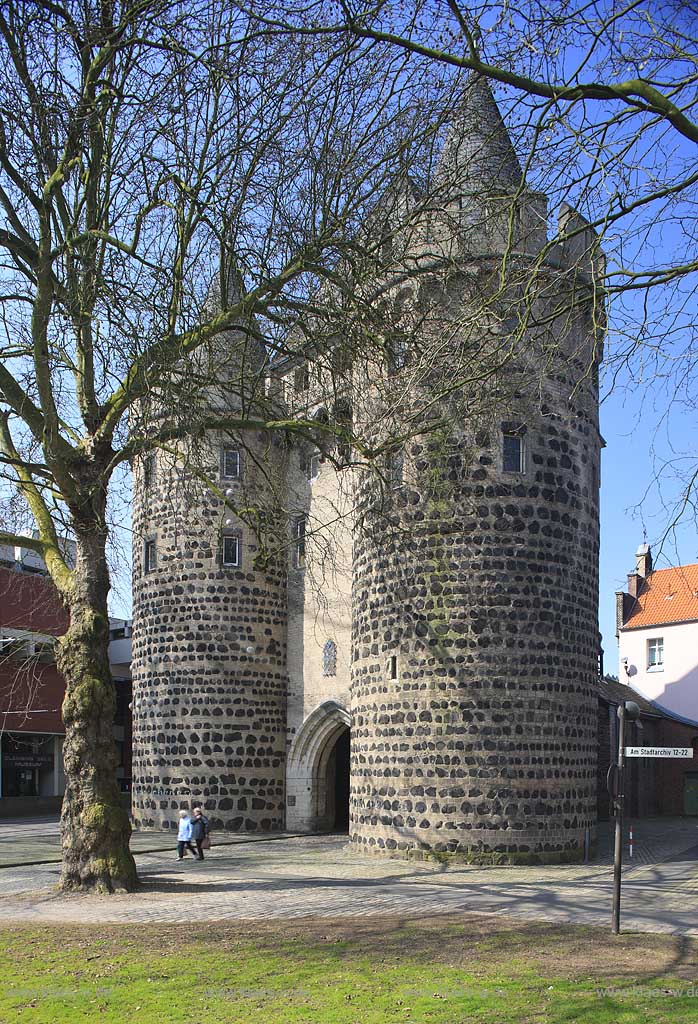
x,y
618,806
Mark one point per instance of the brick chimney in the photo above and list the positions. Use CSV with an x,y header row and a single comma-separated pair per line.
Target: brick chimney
x,y
635,581
625,604
643,560
643,568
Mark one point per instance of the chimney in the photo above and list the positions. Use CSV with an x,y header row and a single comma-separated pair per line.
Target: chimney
x,y
620,611
624,607
643,560
634,583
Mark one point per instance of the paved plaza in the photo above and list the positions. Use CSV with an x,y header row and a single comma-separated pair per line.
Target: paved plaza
x,y
297,876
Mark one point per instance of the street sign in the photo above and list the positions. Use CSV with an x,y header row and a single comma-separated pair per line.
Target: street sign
x,y
686,752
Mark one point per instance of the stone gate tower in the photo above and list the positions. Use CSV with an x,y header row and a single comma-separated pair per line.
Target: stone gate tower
x,y
209,626
475,578
455,638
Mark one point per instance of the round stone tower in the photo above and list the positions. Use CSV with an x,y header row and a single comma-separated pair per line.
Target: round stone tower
x,y
475,625
209,620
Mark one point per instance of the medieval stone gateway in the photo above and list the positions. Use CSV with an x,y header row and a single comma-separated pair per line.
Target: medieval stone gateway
x,y
431,686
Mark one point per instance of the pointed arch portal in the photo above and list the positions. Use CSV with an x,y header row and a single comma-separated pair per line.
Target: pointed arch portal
x,y
317,779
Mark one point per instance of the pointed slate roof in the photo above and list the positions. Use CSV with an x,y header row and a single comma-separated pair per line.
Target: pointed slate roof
x,y
478,157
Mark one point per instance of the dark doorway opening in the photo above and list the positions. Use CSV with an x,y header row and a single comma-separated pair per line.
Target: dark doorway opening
x,y
340,757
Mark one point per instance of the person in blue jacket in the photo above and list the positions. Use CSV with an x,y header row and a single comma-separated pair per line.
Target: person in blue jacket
x,y
184,836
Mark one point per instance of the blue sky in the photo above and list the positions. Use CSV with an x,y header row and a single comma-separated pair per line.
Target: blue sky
x,y
638,441
648,409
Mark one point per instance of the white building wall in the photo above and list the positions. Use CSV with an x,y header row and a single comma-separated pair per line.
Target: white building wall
x,y
674,685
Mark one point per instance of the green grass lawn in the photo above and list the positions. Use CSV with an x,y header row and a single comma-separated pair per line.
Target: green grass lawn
x,y
357,971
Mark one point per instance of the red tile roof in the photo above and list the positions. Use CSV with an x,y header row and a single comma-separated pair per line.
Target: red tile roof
x,y
667,595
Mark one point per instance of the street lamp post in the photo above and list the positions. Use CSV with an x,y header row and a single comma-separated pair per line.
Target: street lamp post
x,y
627,710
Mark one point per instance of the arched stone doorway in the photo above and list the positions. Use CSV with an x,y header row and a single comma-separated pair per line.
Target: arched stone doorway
x,y
317,777
337,784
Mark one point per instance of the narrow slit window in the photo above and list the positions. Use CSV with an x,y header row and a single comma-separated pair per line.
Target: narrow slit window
x,y
396,468
231,551
230,463
149,556
329,658
397,353
393,666
149,471
299,526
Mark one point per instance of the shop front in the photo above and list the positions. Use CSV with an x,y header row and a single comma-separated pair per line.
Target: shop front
x,y
31,772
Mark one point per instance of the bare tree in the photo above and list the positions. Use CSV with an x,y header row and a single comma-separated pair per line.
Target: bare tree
x,y
605,99
145,150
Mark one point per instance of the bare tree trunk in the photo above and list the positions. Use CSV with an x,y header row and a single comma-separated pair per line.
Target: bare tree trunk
x,y
95,829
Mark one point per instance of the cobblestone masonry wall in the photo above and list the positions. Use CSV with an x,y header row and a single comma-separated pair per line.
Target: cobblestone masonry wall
x,y
209,657
474,589
475,636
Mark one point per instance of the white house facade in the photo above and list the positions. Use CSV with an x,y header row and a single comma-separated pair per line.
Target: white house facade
x,y
657,629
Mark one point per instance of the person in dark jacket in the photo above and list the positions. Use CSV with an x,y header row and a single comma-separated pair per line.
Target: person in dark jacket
x,y
199,830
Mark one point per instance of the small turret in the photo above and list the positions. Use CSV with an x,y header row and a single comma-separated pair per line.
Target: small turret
x,y
479,187
478,159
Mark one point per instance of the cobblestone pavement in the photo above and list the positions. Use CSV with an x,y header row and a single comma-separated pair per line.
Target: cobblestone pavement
x,y
37,841
318,875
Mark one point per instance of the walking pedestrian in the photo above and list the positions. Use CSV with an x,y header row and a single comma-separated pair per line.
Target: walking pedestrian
x,y
184,836
199,831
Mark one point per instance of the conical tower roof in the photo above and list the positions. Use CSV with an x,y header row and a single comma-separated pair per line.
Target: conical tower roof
x,y
242,342
478,157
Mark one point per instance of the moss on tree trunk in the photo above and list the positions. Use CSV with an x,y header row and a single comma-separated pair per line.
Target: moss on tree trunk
x,y
95,829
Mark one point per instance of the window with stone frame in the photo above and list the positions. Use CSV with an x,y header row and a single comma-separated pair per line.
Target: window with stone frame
x,y
149,555
513,448
341,360
396,351
344,420
395,469
231,550
310,462
298,528
301,379
329,658
230,463
149,470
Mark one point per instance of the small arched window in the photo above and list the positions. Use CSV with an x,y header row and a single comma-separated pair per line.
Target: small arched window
x,y
329,658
